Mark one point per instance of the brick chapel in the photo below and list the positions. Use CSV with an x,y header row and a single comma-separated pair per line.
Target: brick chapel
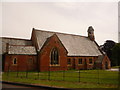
x,y
53,51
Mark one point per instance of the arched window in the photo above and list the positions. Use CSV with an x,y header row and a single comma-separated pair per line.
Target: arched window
x,y
54,57
15,61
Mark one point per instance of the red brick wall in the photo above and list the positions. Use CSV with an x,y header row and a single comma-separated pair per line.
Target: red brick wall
x,y
23,63
102,64
85,64
106,60
44,55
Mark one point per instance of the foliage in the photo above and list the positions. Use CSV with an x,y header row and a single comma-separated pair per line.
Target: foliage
x,y
116,55
108,45
115,66
112,50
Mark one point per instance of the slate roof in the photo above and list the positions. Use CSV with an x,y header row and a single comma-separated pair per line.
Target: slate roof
x,y
27,50
100,58
21,46
76,45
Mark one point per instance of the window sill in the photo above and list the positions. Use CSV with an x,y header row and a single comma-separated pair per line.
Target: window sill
x,y
69,65
55,65
91,64
80,64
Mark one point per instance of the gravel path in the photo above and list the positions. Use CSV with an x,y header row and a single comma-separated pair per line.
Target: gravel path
x,y
113,69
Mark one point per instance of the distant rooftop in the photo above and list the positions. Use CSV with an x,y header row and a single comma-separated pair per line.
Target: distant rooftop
x,y
14,41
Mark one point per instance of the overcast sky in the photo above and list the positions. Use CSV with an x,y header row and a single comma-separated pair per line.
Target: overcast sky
x,y
18,18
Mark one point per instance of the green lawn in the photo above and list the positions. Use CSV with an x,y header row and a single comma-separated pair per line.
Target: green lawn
x,y
67,79
115,66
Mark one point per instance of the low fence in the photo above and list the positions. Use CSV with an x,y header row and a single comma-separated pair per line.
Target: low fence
x,y
92,76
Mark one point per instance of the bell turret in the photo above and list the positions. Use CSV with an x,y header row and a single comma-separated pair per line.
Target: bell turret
x,y
91,33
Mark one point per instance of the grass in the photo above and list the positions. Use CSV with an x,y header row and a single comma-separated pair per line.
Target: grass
x,y
115,66
67,79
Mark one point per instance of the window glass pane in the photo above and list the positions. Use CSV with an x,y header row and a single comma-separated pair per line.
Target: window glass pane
x,y
85,62
14,61
90,60
69,61
80,61
54,56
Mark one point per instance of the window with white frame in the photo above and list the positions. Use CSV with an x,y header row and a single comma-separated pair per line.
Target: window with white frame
x,y
14,61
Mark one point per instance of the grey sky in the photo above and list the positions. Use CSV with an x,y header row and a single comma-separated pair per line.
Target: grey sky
x,y
19,18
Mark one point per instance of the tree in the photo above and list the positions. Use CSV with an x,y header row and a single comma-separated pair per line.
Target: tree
x,y
116,55
107,48
108,45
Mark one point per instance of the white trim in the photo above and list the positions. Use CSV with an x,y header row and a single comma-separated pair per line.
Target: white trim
x,y
15,58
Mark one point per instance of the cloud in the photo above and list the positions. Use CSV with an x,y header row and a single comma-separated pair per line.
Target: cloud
x,y
20,18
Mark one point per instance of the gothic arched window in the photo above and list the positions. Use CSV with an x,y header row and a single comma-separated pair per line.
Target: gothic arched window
x,y
14,61
54,57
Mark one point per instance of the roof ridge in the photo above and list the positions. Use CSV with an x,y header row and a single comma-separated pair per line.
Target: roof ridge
x,y
59,33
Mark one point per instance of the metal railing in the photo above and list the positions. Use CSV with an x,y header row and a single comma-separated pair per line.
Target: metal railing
x,y
60,73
